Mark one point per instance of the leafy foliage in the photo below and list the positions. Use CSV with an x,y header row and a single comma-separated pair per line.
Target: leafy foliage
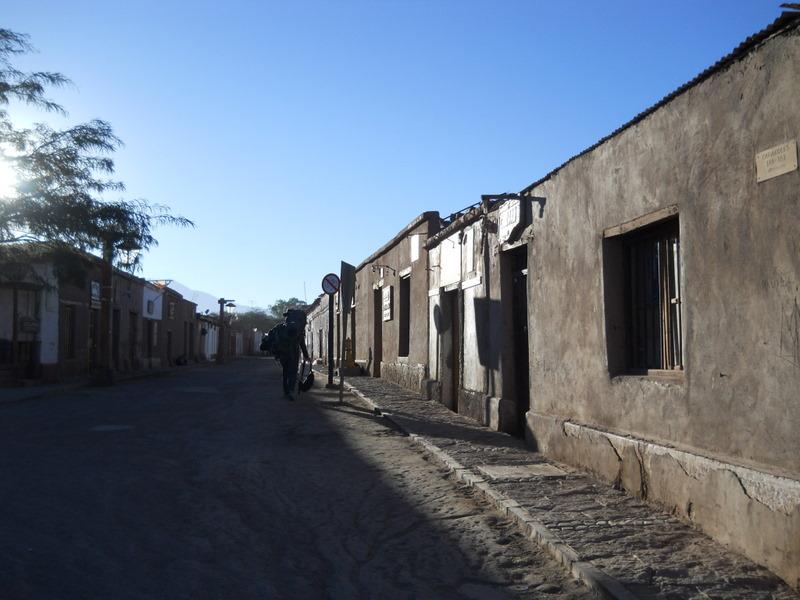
x,y
24,87
64,175
281,306
258,318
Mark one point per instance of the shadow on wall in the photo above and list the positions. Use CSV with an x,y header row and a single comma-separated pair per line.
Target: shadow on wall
x,y
487,316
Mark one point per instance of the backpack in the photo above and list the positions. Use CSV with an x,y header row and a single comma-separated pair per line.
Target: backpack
x,y
281,339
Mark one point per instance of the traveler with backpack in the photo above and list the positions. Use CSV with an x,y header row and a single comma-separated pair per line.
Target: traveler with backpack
x,y
286,340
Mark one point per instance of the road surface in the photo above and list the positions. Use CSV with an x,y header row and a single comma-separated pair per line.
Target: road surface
x,y
206,483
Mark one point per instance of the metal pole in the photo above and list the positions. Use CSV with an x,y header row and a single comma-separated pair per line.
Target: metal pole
x,y
221,336
330,341
339,338
341,384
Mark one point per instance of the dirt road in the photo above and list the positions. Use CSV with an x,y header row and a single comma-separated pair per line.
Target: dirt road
x,y
207,484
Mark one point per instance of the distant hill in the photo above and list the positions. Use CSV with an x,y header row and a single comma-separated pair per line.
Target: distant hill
x,y
204,300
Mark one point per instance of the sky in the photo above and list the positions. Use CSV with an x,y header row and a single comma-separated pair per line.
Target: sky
x,y
297,134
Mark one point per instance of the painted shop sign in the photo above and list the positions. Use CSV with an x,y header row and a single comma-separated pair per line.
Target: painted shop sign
x,y
387,303
775,161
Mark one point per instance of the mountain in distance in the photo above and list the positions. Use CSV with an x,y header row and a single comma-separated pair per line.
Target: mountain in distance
x,y
204,300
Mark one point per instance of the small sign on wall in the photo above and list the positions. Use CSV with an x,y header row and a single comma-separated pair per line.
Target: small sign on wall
x,y
387,303
94,294
509,217
775,161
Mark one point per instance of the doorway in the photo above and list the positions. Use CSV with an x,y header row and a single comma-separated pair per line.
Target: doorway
x,y
115,329
450,333
94,329
133,340
519,319
169,347
151,341
377,341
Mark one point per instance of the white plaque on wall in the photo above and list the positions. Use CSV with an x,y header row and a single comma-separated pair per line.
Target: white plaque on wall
x,y
775,161
387,303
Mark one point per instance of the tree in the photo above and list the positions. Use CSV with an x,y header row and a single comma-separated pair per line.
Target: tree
x,y
257,318
281,306
59,202
64,174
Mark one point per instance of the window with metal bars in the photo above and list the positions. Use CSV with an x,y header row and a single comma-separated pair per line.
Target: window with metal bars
x,y
653,298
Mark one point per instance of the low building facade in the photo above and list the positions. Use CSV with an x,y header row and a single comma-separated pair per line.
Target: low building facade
x,y
387,324
663,303
477,311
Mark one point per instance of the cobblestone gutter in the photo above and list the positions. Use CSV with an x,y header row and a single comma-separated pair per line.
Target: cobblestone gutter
x,y
616,544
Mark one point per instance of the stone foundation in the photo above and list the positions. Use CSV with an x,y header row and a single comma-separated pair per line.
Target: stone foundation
x,y
433,390
754,512
498,414
409,376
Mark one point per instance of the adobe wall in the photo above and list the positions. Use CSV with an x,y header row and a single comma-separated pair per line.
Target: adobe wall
x,y
405,256
736,403
470,263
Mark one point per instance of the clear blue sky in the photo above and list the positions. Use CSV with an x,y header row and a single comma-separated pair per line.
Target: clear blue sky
x,y
297,133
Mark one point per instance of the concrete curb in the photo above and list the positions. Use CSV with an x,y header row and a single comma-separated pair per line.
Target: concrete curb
x,y
594,578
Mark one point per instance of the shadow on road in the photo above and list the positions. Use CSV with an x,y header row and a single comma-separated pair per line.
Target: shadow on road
x,y
208,484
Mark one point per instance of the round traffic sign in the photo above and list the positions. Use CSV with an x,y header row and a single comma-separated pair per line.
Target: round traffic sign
x,y
330,283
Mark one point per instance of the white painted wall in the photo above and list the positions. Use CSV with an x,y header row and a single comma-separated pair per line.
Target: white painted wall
x,y
48,317
155,294
450,260
208,343
473,372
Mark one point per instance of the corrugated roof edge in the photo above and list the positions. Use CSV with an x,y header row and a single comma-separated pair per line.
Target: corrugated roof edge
x,y
467,218
787,20
427,215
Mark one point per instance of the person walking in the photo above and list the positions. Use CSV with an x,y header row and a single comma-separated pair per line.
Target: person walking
x,y
289,343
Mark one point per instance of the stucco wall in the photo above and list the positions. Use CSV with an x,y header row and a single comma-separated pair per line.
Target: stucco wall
x,y
470,262
384,269
736,402
740,263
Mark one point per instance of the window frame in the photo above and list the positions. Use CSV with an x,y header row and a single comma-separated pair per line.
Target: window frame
x,y
643,293
404,317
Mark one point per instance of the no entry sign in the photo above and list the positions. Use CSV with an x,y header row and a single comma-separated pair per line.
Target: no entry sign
x,y
330,283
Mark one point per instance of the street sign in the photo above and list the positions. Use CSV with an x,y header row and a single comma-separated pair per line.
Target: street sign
x,y
330,283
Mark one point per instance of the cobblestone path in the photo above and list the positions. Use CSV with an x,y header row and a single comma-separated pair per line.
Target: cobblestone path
x,y
651,553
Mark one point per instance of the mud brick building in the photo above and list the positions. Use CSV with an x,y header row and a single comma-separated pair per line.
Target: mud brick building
x,y
388,319
317,329
478,346
50,320
179,330
663,303
634,312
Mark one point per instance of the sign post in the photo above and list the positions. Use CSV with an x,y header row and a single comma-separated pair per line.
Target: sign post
x,y
330,285
346,293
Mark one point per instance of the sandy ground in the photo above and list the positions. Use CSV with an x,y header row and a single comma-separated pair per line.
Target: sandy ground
x,y
207,484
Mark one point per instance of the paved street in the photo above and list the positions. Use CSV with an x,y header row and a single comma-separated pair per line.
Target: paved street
x,y
206,484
